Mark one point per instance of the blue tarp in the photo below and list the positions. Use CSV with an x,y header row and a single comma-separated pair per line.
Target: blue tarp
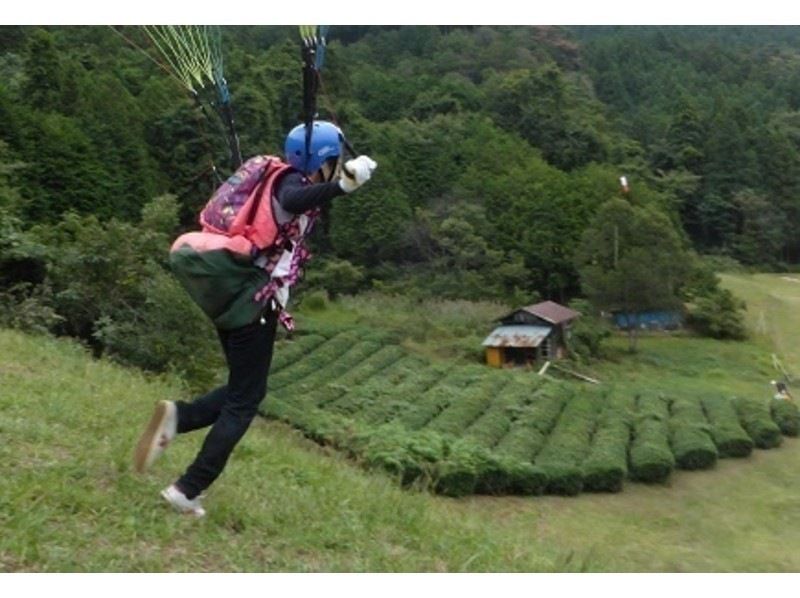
x,y
648,320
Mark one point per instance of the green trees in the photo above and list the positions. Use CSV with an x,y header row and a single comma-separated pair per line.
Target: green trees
x,y
717,315
716,118
45,77
630,259
497,146
536,104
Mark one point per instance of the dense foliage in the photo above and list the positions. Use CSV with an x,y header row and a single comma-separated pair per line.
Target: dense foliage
x,y
500,152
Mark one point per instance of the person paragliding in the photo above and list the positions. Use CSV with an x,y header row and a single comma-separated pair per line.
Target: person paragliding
x,y
781,391
240,268
294,192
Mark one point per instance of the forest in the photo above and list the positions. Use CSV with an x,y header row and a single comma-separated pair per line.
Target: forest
x,y
500,152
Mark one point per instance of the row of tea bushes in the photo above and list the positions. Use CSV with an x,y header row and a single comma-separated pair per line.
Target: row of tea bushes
x,y
471,405
651,459
289,352
424,458
786,416
446,392
305,391
327,373
326,353
729,436
374,360
690,435
511,396
757,421
495,422
567,445
448,465
585,449
531,425
377,390
606,467
398,398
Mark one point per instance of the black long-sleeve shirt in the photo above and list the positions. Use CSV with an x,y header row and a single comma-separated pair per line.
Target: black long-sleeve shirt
x,y
296,195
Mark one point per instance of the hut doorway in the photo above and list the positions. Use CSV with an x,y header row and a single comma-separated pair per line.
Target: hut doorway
x,y
520,356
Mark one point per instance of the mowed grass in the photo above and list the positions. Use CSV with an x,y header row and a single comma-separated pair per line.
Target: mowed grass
x,y
773,312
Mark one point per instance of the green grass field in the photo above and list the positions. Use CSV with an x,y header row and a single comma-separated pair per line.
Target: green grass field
x,y
773,312
69,501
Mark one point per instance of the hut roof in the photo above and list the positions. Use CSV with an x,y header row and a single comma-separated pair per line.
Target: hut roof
x,y
549,311
517,336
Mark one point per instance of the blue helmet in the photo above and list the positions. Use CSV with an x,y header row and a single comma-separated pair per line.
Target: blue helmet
x,y
326,143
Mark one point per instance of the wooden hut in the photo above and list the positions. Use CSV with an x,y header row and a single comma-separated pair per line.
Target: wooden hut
x,y
535,333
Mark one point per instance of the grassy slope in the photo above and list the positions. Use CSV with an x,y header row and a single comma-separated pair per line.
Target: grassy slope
x,y
69,501
68,424
773,312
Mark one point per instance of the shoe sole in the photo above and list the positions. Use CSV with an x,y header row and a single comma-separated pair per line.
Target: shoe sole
x,y
148,442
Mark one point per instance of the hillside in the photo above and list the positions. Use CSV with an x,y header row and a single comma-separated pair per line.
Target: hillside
x,y
68,424
70,501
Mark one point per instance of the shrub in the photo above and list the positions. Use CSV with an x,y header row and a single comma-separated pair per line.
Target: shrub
x,y
650,458
336,277
718,314
786,416
411,459
315,301
756,420
605,470
562,478
472,403
692,447
525,478
22,257
588,332
439,397
99,270
530,427
457,474
729,436
28,307
651,462
607,464
690,435
494,423
566,448
167,332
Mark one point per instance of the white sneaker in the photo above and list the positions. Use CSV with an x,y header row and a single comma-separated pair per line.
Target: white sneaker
x,y
180,503
160,431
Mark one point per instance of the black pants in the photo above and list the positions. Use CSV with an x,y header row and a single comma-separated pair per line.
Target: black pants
x,y
229,409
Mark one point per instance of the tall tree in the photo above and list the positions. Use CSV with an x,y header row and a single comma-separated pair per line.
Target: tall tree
x,y
43,68
630,259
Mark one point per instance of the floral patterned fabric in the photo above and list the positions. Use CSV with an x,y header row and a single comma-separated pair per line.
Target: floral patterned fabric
x,y
284,262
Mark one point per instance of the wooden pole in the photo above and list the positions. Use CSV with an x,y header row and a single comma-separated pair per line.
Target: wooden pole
x,y
544,368
576,374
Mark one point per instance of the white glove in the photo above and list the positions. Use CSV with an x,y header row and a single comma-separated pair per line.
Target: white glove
x,y
356,172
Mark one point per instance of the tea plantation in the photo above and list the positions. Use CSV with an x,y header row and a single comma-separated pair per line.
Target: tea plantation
x,y
462,430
